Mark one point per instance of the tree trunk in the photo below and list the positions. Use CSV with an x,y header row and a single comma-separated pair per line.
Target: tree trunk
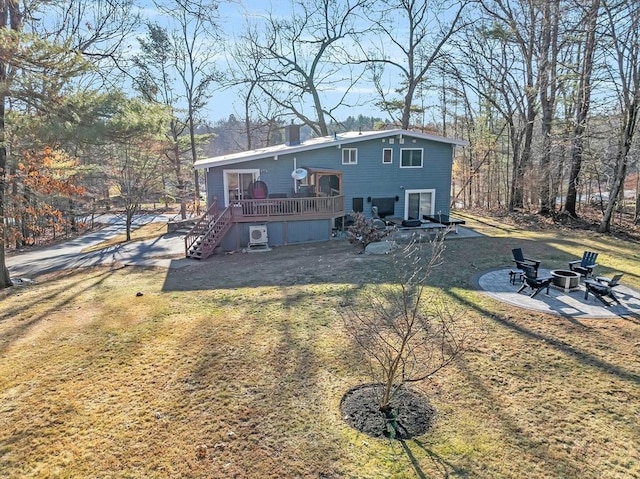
x,y
9,17
521,159
582,110
408,102
129,220
622,158
247,115
15,208
5,279
194,156
180,186
322,128
636,211
522,156
625,42
548,86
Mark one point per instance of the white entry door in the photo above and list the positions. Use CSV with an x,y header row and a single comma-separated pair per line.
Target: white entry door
x,y
418,203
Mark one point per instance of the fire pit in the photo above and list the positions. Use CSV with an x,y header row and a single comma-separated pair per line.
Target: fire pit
x,y
566,280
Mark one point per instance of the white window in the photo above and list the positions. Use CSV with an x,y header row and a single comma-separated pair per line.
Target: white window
x,y
349,156
387,156
411,158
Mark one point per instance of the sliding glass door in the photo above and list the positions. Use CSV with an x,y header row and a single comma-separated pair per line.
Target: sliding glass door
x,y
236,184
418,203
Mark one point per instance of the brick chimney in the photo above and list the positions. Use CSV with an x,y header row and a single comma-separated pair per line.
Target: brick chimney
x,y
292,135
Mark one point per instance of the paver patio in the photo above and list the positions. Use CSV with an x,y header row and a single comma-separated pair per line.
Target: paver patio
x,y
496,284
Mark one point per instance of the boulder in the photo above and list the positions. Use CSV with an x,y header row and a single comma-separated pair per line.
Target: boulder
x,y
380,247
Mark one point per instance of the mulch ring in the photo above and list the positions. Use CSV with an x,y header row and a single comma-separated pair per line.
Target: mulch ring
x,y
411,413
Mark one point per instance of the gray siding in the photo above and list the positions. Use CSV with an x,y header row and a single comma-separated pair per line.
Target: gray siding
x,y
279,233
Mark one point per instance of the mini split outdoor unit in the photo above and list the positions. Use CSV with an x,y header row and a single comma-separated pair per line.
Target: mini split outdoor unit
x,y
258,234
258,240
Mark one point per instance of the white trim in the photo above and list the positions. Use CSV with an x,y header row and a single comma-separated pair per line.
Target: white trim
x,y
412,149
406,200
255,172
390,162
351,156
343,139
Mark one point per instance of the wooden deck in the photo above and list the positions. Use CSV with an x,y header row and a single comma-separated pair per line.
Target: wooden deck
x,y
287,209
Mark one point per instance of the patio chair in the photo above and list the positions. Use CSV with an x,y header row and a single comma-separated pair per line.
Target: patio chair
x,y
612,282
519,259
585,265
602,288
532,281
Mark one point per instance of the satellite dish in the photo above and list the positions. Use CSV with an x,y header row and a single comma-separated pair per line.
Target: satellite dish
x,y
299,174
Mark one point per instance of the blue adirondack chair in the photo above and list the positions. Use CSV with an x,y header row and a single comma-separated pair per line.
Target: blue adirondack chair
x,y
585,265
519,259
532,280
602,288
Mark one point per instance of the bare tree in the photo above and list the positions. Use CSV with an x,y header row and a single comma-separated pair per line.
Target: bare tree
x,y
518,66
260,112
407,331
490,64
413,40
136,135
98,29
303,56
547,54
489,76
155,79
623,34
195,42
585,61
519,22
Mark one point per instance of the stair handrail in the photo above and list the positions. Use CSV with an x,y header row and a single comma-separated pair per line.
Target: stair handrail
x,y
202,226
223,223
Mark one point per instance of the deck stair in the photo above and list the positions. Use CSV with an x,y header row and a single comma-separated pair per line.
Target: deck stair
x,y
208,232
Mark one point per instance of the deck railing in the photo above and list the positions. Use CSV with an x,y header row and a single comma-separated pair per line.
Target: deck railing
x,y
312,207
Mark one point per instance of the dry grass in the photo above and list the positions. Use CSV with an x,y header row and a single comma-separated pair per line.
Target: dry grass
x,y
144,232
235,367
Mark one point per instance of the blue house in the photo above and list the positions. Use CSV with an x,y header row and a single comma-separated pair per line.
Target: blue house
x,y
300,191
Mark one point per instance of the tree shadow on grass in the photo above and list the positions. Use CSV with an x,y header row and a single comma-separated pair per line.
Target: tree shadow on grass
x,y
442,465
294,265
22,326
339,262
563,346
414,462
271,364
536,448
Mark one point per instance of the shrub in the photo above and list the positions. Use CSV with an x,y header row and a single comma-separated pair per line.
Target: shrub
x,y
364,231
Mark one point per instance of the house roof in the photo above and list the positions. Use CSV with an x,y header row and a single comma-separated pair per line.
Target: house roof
x,y
317,143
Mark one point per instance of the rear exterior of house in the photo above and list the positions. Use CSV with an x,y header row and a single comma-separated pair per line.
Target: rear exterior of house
x,y
300,192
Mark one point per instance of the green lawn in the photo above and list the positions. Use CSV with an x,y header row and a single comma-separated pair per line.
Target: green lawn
x,y
235,367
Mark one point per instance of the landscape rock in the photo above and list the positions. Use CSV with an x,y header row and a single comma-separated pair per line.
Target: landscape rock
x,y
380,247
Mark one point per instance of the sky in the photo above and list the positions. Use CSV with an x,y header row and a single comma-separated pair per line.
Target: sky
x,y
233,16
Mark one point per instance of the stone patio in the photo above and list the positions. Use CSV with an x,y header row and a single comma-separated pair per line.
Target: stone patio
x,y
497,285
